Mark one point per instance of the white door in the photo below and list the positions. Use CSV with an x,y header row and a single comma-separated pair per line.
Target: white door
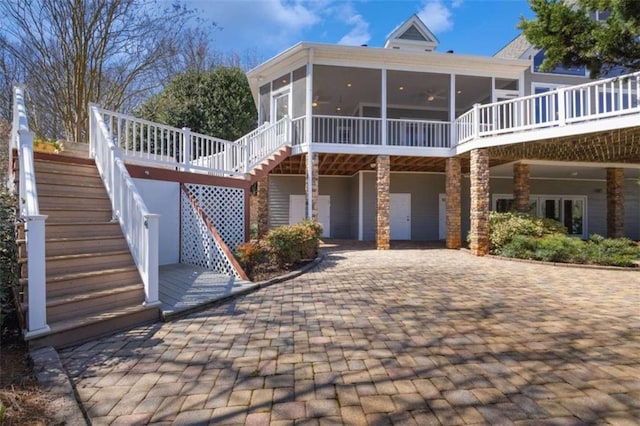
x,y
400,217
324,214
442,216
297,212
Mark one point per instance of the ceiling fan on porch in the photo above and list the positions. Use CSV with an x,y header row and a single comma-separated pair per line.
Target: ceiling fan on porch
x,y
317,100
432,95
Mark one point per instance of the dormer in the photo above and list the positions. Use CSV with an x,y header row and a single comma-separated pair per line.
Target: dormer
x,y
412,35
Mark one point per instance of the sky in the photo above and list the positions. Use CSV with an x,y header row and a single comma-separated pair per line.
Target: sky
x,y
268,27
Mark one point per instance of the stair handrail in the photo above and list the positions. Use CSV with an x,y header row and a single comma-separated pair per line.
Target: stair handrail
x,y
139,226
264,141
29,213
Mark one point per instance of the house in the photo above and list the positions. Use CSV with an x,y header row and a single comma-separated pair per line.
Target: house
x,y
381,149
395,143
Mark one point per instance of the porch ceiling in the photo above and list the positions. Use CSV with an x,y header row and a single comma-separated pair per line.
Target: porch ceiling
x,y
349,164
613,146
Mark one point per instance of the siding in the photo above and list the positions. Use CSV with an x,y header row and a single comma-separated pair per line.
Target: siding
x,y
424,189
280,187
339,188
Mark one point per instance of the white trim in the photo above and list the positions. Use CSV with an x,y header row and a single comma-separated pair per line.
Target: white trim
x,y
361,205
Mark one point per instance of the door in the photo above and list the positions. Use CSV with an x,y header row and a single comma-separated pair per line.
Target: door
x,y
298,213
400,217
442,217
280,105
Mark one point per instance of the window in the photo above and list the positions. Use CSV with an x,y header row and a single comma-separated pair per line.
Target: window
x,y
574,71
570,210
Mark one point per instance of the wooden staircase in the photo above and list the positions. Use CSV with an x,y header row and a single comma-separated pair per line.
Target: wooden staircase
x,y
271,162
93,285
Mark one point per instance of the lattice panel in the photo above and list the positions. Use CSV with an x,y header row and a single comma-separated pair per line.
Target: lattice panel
x,y
225,209
197,245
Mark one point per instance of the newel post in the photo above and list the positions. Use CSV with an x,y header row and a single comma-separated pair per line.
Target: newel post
x,y
151,263
186,148
36,272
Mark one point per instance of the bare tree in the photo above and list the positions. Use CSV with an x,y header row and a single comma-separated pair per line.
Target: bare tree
x,y
73,52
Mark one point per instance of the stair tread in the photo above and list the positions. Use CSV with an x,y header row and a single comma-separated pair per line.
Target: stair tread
x,y
69,172
69,324
65,239
75,185
88,274
79,195
82,223
91,294
56,209
79,256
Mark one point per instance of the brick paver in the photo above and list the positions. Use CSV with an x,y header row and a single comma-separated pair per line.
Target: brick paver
x,y
409,336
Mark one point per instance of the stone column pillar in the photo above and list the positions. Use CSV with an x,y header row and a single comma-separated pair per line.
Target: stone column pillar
x,y
454,215
263,206
383,163
315,177
479,202
615,202
521,189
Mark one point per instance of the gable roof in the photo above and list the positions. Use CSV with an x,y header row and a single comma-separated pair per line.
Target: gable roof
x,y
515,49
412,34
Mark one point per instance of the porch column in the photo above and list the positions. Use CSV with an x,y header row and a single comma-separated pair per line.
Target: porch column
x,y
454,209
263,206
383,163
383,108
521,187
479,202
615,202
311,185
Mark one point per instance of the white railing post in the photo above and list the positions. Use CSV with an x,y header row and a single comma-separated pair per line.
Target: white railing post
x,y
186,148
151,266
36,275
475,116
453,134
247,154
562,110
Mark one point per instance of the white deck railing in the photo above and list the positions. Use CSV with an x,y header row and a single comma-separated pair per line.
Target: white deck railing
x,y
418,133
347,130
593,101
140,228
34,222
153,143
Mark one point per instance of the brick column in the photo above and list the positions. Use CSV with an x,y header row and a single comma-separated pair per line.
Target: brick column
x,y
615,203
263,206
479,202
315,177
383,163
521,187
454,214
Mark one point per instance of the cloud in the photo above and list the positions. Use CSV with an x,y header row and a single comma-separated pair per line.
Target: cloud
x,y
437,16
359,33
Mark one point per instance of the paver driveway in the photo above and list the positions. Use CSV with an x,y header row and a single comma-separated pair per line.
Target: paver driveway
x,y
397,337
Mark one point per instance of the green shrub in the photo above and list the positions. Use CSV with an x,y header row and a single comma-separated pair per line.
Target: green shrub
x,y
559,248
612,251
520,247
503,227
291,244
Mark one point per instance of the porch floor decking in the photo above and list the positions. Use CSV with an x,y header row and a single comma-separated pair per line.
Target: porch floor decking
x,y
185,287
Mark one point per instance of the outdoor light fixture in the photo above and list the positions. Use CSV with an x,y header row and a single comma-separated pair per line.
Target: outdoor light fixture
x,y
430,98
348,84
314,104
401,88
